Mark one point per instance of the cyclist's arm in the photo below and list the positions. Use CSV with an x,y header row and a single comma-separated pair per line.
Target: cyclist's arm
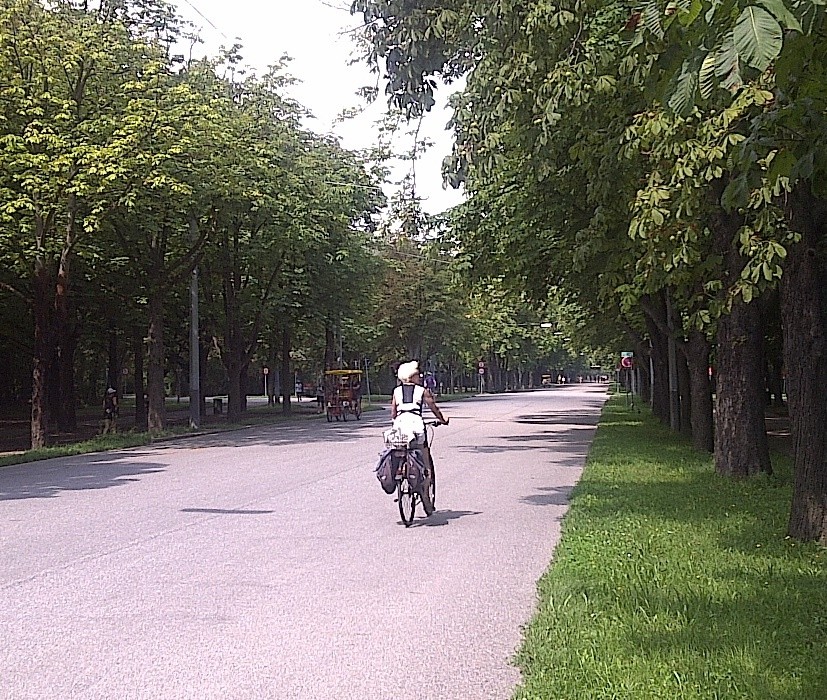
x,y
393,406
429,399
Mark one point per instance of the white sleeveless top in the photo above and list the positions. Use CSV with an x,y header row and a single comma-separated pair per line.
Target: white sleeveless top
x,y
416,395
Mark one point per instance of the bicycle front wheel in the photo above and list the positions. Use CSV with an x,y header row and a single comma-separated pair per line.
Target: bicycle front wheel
x,y
428,493
407,502
432,487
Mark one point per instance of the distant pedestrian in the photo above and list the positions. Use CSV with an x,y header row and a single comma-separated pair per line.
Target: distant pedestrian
x,y
320,395
110,411
430,383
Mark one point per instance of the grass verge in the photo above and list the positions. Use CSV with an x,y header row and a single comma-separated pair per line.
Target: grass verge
x,y
255,416
671,582
100,443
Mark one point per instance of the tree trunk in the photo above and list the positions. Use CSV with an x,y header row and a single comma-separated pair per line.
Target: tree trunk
x,y
697,350
233,357
233,350
329,359
272,361
642,355
233,390
660,357
774,349
204,352
286,377
43,351
685,392
67,338
141,412
67,392
53,385
775,382
236,366
804,303
155,371
113,368
741,447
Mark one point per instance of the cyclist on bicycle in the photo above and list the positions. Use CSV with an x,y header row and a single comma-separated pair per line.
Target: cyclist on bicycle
x,y
407,403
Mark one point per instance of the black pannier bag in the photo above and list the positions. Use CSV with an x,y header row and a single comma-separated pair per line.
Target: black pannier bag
x,y
386,472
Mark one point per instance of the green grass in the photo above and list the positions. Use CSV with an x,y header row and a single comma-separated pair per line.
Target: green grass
x,y
672,582
96,444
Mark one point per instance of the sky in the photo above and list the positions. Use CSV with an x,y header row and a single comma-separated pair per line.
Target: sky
x,y
317,35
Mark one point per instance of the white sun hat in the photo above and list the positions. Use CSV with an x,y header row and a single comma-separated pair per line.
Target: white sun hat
x,y
407,370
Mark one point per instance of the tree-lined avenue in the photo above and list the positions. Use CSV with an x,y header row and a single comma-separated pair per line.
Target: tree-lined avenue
x,y
268,562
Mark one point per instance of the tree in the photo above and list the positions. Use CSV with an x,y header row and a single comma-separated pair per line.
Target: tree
x,y
778,48
69,74
542,80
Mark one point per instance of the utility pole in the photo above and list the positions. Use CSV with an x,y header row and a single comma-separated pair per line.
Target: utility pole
x,y
367,377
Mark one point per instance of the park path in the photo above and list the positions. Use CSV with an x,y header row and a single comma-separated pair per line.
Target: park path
x,y
268,563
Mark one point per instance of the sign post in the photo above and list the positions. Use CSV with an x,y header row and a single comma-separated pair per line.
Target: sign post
x,y
265,371
627,362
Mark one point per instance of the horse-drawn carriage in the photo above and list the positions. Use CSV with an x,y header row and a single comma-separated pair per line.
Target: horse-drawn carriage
x,y
343,393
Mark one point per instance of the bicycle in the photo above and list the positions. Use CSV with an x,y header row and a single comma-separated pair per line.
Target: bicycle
x,y
406,496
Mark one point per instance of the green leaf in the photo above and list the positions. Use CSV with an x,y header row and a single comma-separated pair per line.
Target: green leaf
x,y
651,18
781,166
758,37
728,65
691,12
706,83
682,97
782,13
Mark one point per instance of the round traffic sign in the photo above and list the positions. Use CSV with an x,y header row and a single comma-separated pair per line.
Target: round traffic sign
x,y
626,362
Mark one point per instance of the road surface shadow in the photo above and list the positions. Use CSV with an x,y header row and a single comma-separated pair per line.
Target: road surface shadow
x,y
577,449
444,517
226,511
559,419
280,434
102,472
553,496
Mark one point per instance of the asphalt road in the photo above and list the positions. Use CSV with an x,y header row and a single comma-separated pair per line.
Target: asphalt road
x,y
268,563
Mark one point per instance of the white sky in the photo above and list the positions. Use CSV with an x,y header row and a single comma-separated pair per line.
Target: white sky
x,y
315,34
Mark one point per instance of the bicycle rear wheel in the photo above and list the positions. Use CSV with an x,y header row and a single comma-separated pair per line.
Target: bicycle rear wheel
x,y
407,502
